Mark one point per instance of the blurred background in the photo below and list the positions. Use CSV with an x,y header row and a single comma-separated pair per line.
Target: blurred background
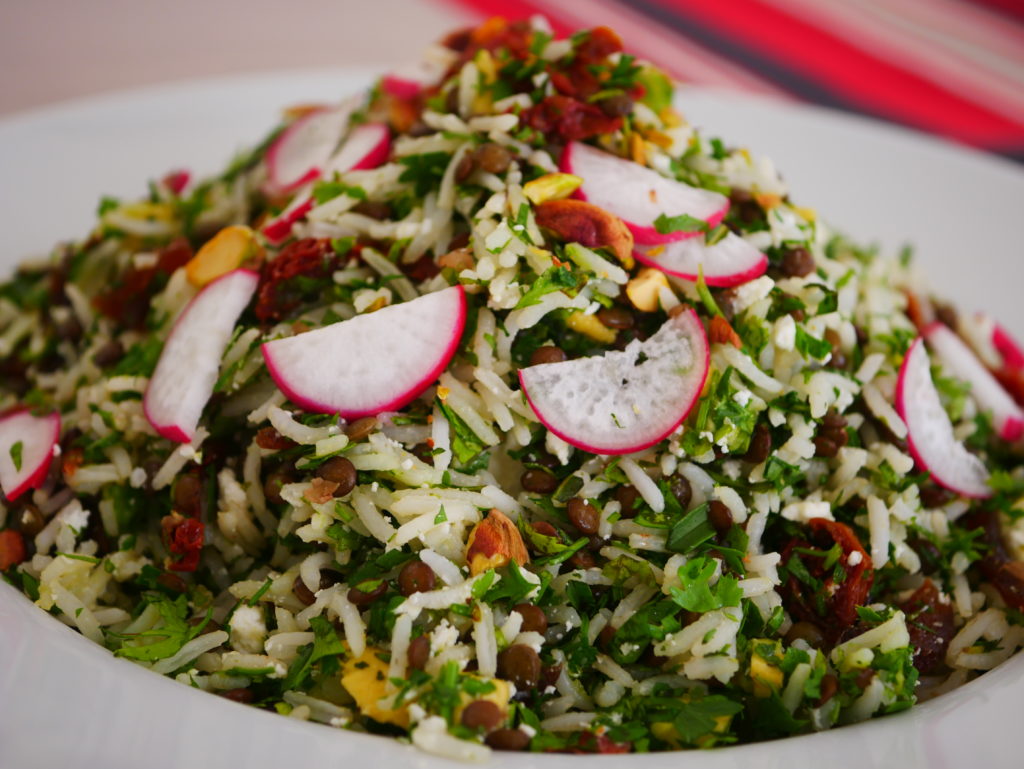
x,y
954,68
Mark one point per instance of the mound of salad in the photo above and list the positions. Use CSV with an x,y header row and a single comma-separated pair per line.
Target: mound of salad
x,y
498,407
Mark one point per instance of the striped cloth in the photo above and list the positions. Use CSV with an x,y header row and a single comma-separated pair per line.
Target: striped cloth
x,y
954,68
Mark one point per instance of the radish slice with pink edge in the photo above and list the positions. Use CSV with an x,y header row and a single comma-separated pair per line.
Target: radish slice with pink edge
x,y
298,154
1008,347
367,146
639,195
407,82
961,362
371,363
623,401
187,370
729,262
27,445
930,433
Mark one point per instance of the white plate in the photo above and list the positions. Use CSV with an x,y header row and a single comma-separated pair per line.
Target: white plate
x,y
67,702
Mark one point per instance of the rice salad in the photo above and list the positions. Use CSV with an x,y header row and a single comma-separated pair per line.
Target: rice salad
x,y
328,434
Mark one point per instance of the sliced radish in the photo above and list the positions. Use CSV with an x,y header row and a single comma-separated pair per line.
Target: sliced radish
x,y
1007,416
639,195
371,363
729,262
299,153
367,146
929,431
1008,348
186,373
407,82
625,401
27,445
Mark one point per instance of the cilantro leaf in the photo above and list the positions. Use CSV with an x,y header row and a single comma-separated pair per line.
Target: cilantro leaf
x,y
681,223
700,717
697,594
325,643
553,279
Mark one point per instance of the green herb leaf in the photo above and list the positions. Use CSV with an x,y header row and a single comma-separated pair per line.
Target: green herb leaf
x,y
553,279
16,451
690,530
680,223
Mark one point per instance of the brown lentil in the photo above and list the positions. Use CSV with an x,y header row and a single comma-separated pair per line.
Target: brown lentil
x,y
538,481
172,582
720,516
508,739
273,484
302,592
806,631
109,354
583,515
627,496
520,664
829,687
375,209
615,317
838,359
548,354
760,445
188,494
616,105
797,263
245,696
825,447
865,677
419,652
365,598
492,158
360,429
681,490
482,714
341,471
269,438
416,577
534,619
30,521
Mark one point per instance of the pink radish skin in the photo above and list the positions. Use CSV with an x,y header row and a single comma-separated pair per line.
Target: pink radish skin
x,y
297,155
960,361
639,195
371,363
187,370
730,262
367,146
400,87
38,437
1007,346
930,433
612,404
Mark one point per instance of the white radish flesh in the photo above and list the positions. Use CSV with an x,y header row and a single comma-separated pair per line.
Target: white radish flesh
x,y
639,195
729,262
187,370
929,431
623,401
371,363
27,444
960,361
367,146
298,154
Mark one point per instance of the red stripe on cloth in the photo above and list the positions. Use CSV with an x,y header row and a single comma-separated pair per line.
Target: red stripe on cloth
x,y
878,85
1012,8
